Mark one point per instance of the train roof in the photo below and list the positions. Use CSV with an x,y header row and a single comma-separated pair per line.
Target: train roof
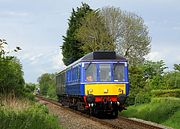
x,y
99,56
102,55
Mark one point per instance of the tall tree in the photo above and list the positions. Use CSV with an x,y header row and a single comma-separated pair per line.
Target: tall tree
x,y
129,33
71,46
47,84
94,34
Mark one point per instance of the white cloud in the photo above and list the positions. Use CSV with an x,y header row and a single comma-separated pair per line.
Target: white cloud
x,y
176,28
13,14
154,56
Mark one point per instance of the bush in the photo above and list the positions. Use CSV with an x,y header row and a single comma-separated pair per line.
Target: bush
x,y
142,98
166,93
29,96
11,77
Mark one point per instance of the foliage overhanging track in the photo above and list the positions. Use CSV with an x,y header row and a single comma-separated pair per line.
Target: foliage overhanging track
x,y
119,123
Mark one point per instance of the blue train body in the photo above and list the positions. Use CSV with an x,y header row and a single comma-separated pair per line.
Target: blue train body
x,y
96,78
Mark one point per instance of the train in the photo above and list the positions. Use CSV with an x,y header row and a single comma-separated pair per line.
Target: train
x,y
96,83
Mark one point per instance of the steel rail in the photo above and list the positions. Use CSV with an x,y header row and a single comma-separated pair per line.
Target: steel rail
x,y
132,124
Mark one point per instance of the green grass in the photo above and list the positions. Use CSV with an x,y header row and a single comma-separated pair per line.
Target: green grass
x,y
22,114
164,111
174,120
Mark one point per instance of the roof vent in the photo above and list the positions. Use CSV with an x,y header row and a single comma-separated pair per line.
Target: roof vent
x,y
104,55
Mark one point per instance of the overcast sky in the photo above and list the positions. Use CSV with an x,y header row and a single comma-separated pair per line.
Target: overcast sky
x,y
37,27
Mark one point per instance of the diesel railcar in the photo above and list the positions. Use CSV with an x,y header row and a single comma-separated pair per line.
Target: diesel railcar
x,y
96,83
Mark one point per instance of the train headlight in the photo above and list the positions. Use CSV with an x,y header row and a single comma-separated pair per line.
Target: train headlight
x,y
90,90
105,90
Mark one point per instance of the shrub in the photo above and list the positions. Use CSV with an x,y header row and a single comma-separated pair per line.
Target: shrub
x,y
142,97
166,93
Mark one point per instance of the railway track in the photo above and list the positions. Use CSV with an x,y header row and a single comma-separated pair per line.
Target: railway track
x,y
119,123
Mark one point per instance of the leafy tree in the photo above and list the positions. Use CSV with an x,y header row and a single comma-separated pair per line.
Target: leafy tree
x,y
11,74
30,87
153,72
177,67
11,77
94,34
3,52
143,78
71,46
137,83
172,80
47,85
157,82
152,69
129,33
29,90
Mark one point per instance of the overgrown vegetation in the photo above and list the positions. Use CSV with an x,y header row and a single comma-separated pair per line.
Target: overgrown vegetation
x,y
154,94
164,110
151,76
24,114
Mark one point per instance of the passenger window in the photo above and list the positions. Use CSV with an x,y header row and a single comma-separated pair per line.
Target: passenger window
x,y
79,73
91,74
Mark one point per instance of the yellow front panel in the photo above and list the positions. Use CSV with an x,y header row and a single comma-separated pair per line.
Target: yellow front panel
x,y
105,89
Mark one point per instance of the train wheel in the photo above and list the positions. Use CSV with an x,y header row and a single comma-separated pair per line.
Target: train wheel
x,y
114,113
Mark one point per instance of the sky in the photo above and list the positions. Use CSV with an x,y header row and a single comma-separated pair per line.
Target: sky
x,y
37,26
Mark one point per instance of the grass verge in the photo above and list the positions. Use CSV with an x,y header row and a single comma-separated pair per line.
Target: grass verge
x,y
23,114
164,111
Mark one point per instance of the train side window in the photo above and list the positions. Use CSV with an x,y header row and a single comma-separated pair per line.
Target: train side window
x,y
79,72
76,73
69,75
118,70
91,74
73,74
